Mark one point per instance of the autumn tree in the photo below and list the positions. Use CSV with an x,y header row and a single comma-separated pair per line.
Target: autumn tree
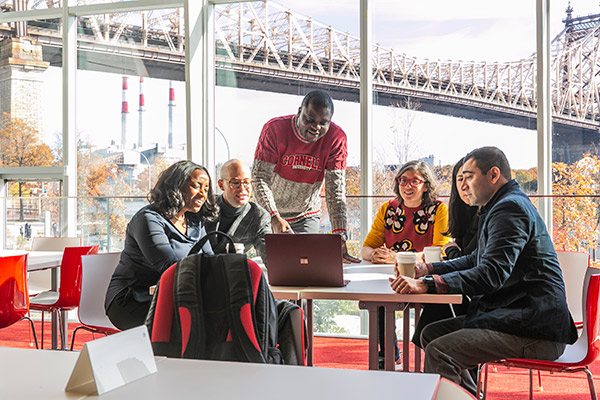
x,y
21,147
99,182
158,166
575,219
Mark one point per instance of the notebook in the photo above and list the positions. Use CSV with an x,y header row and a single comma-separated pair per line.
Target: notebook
x,y
304,259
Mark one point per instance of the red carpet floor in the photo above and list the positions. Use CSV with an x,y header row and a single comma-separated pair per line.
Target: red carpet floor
x,y
353,354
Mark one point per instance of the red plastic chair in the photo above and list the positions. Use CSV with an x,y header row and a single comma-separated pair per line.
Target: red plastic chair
x,y
14,299
578,356
69,291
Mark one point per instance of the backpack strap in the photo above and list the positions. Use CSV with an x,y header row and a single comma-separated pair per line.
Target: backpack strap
x,y
240,302
200,243
189,306
165,340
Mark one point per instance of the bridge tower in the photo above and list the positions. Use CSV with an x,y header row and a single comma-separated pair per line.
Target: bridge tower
x,y
21,70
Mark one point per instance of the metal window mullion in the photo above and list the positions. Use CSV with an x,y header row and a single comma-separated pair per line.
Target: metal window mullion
x,y
69,137
366,119
200,81
544,111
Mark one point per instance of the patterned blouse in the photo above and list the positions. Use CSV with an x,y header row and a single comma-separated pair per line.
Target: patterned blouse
x,y
403,228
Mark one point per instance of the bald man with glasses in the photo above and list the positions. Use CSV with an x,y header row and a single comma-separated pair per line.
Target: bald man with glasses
x,y
245,221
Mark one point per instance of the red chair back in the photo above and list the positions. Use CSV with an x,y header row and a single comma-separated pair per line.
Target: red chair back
x,y
592,320
14,299
69,290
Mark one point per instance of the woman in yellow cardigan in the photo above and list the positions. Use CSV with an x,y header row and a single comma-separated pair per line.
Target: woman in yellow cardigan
x,y
413,220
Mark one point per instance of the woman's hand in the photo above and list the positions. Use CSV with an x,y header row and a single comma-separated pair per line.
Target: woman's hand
x,y
383,255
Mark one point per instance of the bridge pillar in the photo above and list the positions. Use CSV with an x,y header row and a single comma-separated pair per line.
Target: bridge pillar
x,y
21,68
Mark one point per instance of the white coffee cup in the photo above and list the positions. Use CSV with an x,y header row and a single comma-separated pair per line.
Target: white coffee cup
x,y
432,254
405,263
239,248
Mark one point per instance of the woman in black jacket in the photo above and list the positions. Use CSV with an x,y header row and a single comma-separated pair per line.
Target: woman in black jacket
x,y
462,219
157,236
462,226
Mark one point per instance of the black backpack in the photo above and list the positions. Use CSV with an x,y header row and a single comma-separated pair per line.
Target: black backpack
x,y
214,307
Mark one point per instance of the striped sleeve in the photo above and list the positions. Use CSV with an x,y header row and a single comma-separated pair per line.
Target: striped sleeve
x,y
262,173
335,196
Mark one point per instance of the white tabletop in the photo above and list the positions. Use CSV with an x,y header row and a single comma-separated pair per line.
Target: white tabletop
x,y
184,379
36,374
43,374
368,282
37,260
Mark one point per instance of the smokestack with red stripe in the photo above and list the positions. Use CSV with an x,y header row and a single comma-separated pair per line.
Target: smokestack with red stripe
x,y
171,105
124,112
141,114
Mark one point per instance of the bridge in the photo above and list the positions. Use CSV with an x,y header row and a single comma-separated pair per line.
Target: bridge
x,y
265,46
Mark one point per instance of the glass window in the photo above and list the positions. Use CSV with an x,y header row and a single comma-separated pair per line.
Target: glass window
x,y
451,80
130,114
576,109
30,96
270,58
32,210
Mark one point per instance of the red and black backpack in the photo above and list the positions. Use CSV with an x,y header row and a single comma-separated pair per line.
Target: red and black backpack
x,y
215,307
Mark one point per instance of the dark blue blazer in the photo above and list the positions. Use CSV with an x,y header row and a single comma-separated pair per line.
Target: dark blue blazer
x,y
513,279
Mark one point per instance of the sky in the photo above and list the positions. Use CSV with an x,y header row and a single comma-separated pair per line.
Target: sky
x,y
465,30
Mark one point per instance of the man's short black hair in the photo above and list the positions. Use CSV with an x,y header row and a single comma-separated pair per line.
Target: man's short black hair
x,y
488,157
319,99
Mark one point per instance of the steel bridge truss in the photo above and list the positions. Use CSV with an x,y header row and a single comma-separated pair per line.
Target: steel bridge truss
x,y
276,40
267,39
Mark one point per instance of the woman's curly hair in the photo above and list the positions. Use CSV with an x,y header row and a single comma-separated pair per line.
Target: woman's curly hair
x,y
167,195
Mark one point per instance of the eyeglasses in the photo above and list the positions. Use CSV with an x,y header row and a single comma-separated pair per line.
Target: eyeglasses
x,y
414,182
236,184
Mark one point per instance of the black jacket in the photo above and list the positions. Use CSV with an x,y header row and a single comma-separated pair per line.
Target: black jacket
x,y
152,244
514,279
468,241
249,227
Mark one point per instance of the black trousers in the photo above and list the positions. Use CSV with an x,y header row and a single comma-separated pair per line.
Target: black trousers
x,y
126,312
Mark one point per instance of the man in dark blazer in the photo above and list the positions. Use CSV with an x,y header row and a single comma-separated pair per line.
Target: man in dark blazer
x,y
518,306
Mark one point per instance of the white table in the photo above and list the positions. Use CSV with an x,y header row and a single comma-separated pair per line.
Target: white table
x,y
43,374
37,261
369,285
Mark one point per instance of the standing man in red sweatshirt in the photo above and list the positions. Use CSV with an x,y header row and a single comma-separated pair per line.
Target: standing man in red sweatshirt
x,y
295,154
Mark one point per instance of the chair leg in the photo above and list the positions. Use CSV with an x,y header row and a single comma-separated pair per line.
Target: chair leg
x,y
32,330
42,329
73,337
530,384
540,380
482,381
590,378
61,330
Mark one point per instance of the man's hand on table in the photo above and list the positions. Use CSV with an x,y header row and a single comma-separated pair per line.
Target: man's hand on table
x,y
346,257
404,284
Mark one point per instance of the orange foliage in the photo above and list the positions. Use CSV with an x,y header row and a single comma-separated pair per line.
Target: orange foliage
x,y
575,219
20,145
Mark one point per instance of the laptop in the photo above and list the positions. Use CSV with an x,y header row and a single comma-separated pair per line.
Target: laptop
x,y
304,259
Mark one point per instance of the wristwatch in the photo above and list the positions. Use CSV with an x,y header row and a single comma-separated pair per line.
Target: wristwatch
x,y
430,283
